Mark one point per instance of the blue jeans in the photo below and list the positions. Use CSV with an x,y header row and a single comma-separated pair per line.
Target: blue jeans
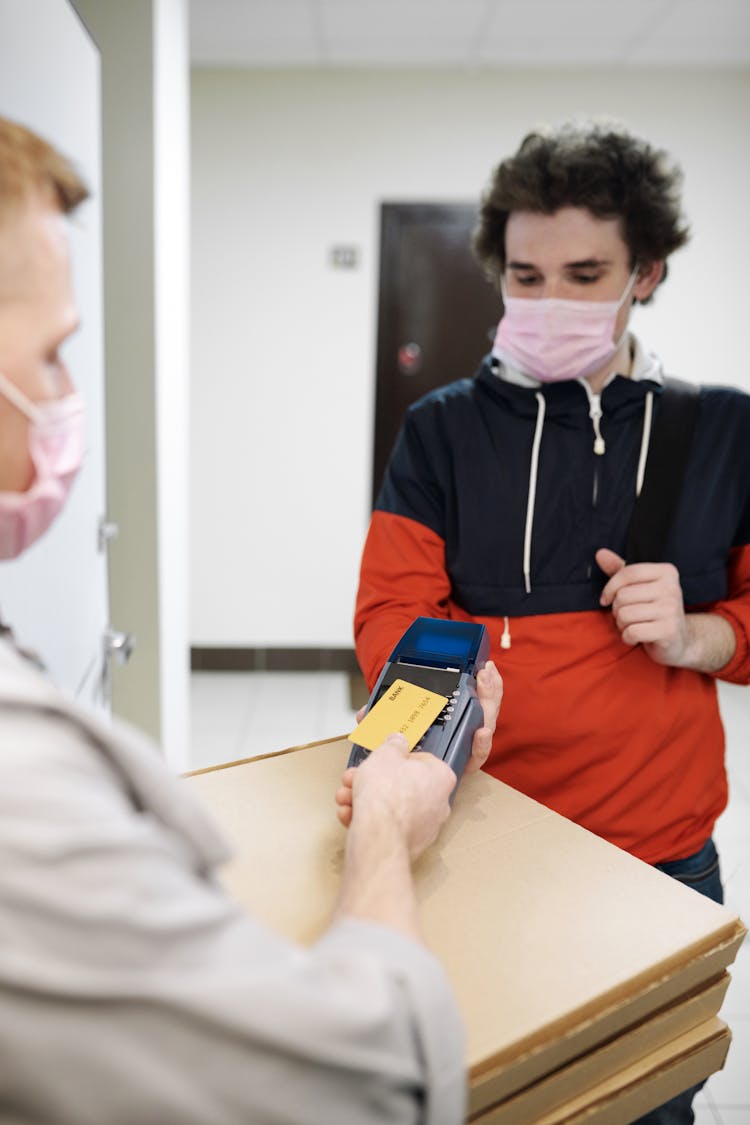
x,y
701,872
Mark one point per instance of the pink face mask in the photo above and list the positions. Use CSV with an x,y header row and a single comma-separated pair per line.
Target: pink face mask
x,y
56,443
554,339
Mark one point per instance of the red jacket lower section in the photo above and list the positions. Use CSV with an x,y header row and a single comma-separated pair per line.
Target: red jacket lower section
x,y
592,728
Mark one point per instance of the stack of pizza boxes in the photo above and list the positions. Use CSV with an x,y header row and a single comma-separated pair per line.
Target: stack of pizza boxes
x,y
589,982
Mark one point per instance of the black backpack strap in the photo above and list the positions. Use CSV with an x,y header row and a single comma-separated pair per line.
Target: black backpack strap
x,y
669,448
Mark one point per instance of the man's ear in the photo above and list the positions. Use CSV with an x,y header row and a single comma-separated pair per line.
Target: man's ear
x,y
649,276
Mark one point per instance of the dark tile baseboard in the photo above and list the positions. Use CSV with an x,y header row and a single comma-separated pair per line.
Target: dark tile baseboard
x,y
273,660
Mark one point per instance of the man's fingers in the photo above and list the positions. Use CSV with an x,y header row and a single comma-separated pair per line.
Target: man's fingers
x,y
490,693
613,566
344,795
637,582
439,768
480,750
398,741
609,561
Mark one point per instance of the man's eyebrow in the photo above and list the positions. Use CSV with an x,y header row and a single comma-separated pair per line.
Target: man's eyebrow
x,y
588,263
584,263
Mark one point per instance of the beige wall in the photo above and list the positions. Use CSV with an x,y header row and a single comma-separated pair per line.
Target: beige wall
x,y
286,163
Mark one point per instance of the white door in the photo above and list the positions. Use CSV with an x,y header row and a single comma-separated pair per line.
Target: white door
x,y
55,596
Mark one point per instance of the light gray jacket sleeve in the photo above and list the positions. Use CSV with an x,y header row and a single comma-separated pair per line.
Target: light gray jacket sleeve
x,y
134,990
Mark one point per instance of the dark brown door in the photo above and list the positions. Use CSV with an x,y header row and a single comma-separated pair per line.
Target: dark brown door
x,y
436,316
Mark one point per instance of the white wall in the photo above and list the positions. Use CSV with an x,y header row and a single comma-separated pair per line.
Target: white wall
x,y
287,163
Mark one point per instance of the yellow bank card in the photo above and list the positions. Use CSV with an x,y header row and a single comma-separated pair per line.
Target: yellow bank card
x,y
404,708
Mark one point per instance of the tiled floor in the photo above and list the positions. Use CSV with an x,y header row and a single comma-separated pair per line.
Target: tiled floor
x,y
240,715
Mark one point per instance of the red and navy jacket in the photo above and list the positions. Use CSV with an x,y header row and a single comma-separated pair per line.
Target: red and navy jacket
x,y
492,508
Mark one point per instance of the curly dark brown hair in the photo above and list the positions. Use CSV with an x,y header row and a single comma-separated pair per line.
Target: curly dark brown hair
x,y
596,165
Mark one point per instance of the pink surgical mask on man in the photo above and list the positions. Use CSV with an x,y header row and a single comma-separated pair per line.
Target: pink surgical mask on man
x,y
553,339
56,446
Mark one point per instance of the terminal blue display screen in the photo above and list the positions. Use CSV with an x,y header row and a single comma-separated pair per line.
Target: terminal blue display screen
x,y
454,642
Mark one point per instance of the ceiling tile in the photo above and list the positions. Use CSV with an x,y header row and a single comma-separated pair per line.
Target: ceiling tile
x,y
262,31
389,52
695,33
581,24
397,21
469,32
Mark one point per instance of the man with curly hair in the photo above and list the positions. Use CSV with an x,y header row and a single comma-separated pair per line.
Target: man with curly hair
x,y
509,498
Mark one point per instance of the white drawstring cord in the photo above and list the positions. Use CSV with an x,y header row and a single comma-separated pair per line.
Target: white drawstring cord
x,y
531,498
595,413
505,638
645,440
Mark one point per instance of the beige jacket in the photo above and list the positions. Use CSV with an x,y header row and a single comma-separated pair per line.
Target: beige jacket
x,y
133,991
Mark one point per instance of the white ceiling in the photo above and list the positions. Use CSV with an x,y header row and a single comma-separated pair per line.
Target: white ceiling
x,y
469,33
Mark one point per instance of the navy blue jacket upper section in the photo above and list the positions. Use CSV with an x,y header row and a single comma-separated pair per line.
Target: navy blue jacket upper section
x,y
461,467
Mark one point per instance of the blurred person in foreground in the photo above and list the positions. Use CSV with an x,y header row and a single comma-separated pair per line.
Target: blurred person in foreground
x,y
133,989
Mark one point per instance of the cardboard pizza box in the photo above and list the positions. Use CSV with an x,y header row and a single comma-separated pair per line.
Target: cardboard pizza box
x,y
627,1095
608,1060
555,940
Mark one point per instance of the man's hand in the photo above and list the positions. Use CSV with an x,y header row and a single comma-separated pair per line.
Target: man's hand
x,y
394,805
490,695
648,609
406,791
647,605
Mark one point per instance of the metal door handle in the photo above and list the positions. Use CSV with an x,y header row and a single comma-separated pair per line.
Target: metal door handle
x,y
116,646
106,530
119,645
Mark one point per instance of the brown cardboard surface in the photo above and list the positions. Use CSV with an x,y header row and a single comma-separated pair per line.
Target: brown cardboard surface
x,y
541,925
636,1089
581,1075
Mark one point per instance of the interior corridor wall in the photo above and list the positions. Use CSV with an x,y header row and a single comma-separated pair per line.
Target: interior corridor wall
x,y
145,136
285,164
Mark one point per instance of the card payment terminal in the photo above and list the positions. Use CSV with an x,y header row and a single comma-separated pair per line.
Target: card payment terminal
x,y
444,657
